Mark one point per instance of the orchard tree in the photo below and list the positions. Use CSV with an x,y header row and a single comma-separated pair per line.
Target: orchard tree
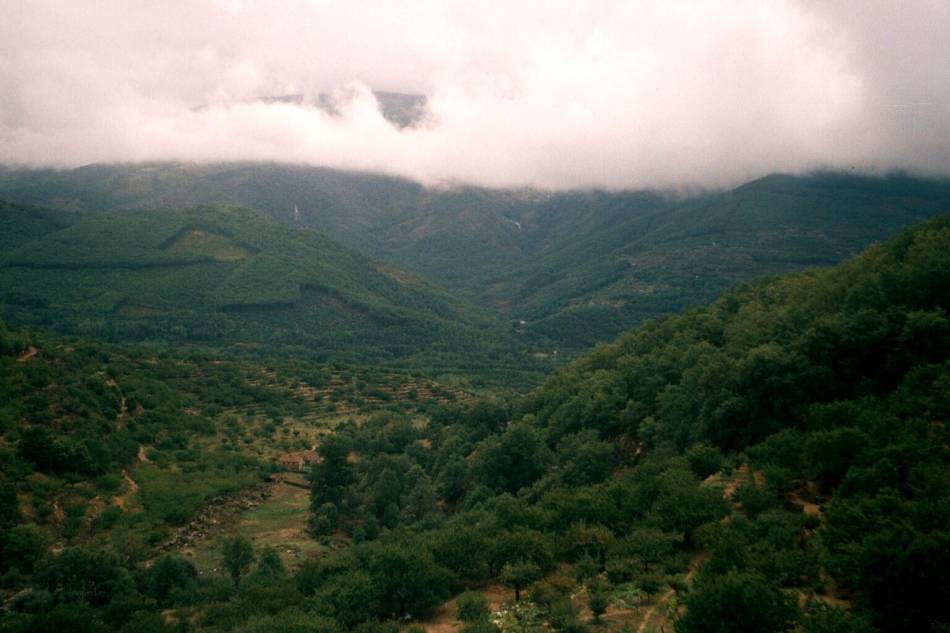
x,y
519,575
596,597
736,603
238,557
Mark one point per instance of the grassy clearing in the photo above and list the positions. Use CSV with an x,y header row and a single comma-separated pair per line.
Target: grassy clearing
x,y
280,522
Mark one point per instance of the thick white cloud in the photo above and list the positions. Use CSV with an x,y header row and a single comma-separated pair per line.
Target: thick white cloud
x,y
548,93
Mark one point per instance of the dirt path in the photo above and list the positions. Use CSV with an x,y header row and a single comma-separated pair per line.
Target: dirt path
x,y
807,498
651,613
133,487
444,619
28,354
123,411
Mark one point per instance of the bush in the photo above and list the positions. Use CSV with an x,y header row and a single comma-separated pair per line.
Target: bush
x,y
168,573
472,607
704,460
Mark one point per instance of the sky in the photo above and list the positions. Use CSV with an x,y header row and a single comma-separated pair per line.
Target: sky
x,y
553,94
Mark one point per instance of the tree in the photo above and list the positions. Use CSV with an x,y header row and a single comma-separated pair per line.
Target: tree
x,y
520,545
519,575
647,545
88,573
167,573
829,454
405,575
9,512
704,460
26,544
563,616
585,458
736,603
238,557
588,540
352,597
324,520
269,569
596,597
330,477
682,505
513,460
464,545
820,618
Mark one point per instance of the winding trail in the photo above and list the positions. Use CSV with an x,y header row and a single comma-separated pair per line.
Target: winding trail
x,y
133,488
29,353
652,611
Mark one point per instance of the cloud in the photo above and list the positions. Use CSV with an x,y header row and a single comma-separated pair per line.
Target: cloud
x,y
554,94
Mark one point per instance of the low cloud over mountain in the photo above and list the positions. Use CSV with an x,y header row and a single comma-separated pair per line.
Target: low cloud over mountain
x,y
548,94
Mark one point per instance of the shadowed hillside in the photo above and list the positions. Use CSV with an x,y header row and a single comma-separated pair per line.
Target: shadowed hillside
x,y
578,267
227,276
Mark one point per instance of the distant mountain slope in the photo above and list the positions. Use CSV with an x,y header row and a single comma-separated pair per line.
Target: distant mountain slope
x,y
20,223
228,275
577,267
657,260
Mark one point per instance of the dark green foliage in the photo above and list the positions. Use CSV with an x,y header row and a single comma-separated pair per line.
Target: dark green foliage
x,y
579,267
736,603
585,458
9,512
596,597
682,506
511,460
817,401
269,569
830,454
292,621
519,575
330,477
167,574
704,460
472,607
90,575
238,557
223,276
405,576
822,619
25,545
645,547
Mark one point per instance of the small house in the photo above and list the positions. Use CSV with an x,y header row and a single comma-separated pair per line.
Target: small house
x,y
296,462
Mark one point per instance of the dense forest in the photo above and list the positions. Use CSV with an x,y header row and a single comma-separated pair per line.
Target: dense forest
x,y
578,267
774,461
236,279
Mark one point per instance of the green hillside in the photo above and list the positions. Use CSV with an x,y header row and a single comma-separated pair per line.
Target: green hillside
x,y
22,223
228,276
661,258
120,445
773,462
577,267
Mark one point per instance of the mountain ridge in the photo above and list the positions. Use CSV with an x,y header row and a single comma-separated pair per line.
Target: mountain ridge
x,y
607,260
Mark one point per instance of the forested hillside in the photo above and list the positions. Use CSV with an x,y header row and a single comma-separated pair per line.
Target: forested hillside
x,y
578,267
114,453
232,277
787,442
775,461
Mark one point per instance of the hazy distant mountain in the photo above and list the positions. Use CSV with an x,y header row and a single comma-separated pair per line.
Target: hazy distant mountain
x,y
229,276
401,109
577,267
